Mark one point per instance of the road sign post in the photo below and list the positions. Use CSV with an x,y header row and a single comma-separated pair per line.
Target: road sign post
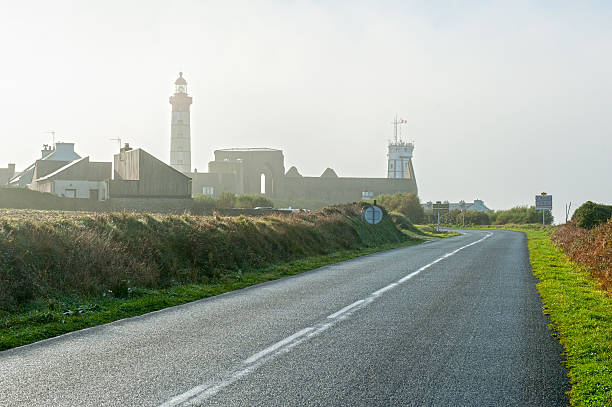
x,y
371,214
441,207
543,202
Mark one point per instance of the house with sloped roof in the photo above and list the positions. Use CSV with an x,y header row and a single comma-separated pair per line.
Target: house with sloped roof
x,y
74,179
63,152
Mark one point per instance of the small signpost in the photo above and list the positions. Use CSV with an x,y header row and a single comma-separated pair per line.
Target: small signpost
x,y
371,214
543,202
441,207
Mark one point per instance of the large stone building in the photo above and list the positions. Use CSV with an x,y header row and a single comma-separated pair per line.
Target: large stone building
x,y
262,170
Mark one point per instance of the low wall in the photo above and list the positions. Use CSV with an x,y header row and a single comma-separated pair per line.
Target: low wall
x,y
163,205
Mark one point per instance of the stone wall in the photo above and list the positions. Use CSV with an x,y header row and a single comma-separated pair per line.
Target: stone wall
x,y
341,190
160,205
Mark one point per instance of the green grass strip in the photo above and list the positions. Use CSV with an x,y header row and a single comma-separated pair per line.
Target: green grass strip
x,y
581,316
53,317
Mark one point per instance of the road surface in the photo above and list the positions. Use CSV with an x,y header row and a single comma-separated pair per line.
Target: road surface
x,y
455,322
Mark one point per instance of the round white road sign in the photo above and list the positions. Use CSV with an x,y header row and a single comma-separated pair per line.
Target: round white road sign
x,y
373,214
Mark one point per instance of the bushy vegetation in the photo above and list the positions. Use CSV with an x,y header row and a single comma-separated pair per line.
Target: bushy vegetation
x,y
406,204
229,200
455,217
591,214
299,204
589,247
403,223
580,312
53,255
520,215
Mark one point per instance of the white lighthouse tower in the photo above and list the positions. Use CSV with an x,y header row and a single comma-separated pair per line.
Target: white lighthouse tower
x,y
399,156
180,133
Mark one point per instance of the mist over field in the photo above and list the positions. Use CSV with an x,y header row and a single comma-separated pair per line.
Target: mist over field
x,y
503,100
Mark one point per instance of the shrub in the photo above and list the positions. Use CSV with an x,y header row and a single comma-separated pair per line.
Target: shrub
x,y
591,214
202,202
406,204
253,201
403,222
520,215
455,217
589,247
226,200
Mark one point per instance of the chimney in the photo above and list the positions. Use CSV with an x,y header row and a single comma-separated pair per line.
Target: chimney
x,y
47,149
126,148
11,170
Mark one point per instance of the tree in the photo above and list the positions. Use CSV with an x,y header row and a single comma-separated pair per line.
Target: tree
x,y
406,204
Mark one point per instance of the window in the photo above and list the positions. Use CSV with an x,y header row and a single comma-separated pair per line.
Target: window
x,y
263,184
367,195
70,193
208,191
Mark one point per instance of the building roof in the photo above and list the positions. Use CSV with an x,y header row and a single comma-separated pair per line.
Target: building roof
x,y
62,152
329,173
293,172
180,80
249,149
62,169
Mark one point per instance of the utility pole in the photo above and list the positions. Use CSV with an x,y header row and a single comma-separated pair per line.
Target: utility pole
x,y
567,210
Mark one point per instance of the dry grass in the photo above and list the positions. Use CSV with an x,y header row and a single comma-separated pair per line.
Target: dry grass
x,y
50,254
589,247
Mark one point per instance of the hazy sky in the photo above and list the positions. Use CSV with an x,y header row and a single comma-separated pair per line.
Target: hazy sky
x,y
504,100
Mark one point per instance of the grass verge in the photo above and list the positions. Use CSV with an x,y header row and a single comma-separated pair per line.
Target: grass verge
x,y
49,317
581,316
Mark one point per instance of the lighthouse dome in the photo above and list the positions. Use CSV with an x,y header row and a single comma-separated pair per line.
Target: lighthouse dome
x,y
180,80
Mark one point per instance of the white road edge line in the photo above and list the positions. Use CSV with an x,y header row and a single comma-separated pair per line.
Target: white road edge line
x,y
200,393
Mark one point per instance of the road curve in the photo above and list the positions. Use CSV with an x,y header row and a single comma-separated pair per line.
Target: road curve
x,y
455,322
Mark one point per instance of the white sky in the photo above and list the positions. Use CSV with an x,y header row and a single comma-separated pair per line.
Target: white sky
x,y
504,100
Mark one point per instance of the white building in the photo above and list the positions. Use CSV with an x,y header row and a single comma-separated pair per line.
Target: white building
x,y
63,152
75,179
180,131
399,156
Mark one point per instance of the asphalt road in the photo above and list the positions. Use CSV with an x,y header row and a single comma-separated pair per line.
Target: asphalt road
x,y
455,322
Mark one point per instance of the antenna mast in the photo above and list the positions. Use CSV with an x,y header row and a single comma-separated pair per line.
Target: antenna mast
x,y
395,127
53,138
117,139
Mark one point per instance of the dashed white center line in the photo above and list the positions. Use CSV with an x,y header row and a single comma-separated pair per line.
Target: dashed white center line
x,y
277,345
343,310
202,392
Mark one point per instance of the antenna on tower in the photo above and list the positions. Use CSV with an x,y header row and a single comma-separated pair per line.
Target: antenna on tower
x,y
53,138
397,122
